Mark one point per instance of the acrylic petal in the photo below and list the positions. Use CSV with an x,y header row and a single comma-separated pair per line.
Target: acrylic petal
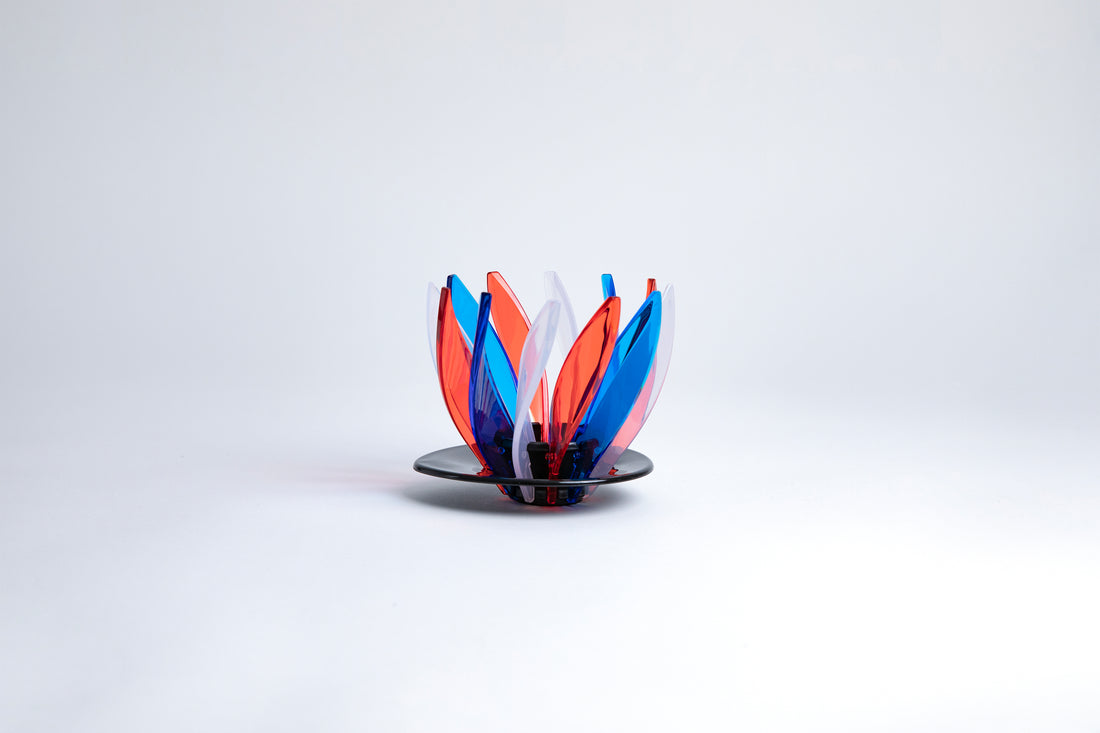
x,y
608,286
512,325
466,310
488,417
664,348
433,321
648,397
620,391
567,325
453,365
532,373
623,344
579,380
465,307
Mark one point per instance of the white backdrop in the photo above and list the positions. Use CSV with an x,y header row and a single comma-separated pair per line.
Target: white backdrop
x,y
876,497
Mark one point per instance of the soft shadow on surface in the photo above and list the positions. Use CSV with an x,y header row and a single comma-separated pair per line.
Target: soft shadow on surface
x,y
487,499
350,478
344,475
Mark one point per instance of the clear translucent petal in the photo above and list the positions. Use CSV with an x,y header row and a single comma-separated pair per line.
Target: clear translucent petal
x,y
580,377
489,419
500,368
433,321
532,372
567,325
664,348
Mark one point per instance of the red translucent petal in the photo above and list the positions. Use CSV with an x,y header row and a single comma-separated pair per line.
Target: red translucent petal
x,y
512,325
453,360
650,286
580,378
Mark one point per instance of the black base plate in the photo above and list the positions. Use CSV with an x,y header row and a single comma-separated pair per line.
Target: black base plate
x,y
460,464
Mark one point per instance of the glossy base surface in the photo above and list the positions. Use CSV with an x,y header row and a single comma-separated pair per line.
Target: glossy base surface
x,y
458,463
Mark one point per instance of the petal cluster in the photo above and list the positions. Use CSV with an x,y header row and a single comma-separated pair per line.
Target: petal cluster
x,y
491,362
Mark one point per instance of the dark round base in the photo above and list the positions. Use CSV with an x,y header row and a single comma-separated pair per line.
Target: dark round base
x,y
460,464
548,495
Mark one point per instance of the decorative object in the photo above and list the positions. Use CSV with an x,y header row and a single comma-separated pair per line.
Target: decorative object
x,y
539,446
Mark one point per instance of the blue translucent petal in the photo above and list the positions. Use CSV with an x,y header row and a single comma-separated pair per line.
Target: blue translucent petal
x,y
500,368
608,286
489,419
634,351
465,307
623,344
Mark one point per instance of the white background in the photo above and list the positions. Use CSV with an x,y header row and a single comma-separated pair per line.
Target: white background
x,y
877,497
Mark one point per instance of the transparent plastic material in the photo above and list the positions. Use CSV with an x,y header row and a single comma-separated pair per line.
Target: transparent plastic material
x,y
634,352
512,325
664,350
580,378
546,447
433,321
567,325
625,341
453,365
465,307
500,368
647,398
488,418
531,373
